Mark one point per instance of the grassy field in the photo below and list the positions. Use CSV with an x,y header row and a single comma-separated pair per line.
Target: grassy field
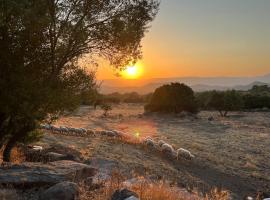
x,y
231,153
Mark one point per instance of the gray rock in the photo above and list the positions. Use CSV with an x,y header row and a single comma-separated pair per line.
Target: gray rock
x,y
132,198
124,194
61,191
52,156
40,174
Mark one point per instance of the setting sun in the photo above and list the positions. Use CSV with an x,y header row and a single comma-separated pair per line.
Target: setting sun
x,y
132,72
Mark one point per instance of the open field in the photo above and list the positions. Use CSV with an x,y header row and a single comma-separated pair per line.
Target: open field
x,y
232,153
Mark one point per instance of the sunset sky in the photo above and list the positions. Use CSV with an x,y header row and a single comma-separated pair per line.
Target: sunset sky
x,y
205,38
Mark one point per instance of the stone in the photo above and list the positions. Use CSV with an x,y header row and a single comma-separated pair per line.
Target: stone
x,y
124,194
61,191
132,198
40,174
52,156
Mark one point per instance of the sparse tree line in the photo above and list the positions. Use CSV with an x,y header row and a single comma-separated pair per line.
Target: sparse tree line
x,y
176,97
257,98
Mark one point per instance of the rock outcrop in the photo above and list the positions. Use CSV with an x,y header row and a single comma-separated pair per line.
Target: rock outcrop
x,y
40,174
61,191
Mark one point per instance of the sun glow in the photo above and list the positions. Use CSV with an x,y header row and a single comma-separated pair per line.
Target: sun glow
x,y
132,72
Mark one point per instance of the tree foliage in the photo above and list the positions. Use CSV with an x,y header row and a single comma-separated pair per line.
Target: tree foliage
x,y
226,101
41,44
173,98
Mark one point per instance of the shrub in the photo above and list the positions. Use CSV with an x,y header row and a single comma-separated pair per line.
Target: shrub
x,y
224,102
106,108
172,98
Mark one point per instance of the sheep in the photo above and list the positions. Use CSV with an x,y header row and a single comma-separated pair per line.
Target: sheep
x,y
73,130
47,127
89,131
83,130
78,131
63,129
183,153
160,143
149,142
55,129
111,133
167,148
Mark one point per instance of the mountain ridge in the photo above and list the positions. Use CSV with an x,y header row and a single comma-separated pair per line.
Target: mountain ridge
x,y
198,84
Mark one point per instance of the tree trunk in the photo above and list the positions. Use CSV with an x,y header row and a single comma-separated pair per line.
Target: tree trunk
x,y
7,152
16,136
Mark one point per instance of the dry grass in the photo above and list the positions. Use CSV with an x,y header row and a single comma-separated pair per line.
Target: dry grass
x,y
146,191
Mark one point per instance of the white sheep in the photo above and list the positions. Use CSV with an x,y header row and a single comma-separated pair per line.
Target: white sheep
x,y
83,130
167,148
149,142
63,129
111,133
160,143
183,153
89,131
73,130
47,127
55,129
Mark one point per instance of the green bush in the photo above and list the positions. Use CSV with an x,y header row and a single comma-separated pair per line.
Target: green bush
x,y
224,102
172,98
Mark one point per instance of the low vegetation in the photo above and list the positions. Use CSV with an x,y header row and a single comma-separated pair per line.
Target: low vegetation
x,y
224,101
147,191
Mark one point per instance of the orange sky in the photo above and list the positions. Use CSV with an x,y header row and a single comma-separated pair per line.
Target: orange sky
x,y
213,38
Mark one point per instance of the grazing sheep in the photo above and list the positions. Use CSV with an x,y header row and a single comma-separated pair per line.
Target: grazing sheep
x,y
183,153
89,131
103,132
83,130
63,129
47,127
111,133
73,130
78,131
149,142
55,129
160,143
167,148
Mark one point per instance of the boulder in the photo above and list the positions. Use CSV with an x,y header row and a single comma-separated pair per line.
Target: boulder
x,y
61,191
39,174
52,156
124,194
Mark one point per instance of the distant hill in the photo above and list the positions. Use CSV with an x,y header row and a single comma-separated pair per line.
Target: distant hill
x,y
197,83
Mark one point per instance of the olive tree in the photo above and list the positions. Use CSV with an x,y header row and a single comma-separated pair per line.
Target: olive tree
x,y
172,98
225,101
41,44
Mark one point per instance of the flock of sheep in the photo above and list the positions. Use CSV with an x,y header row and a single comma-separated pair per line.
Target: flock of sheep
x,y
79,131
168,149
148,142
